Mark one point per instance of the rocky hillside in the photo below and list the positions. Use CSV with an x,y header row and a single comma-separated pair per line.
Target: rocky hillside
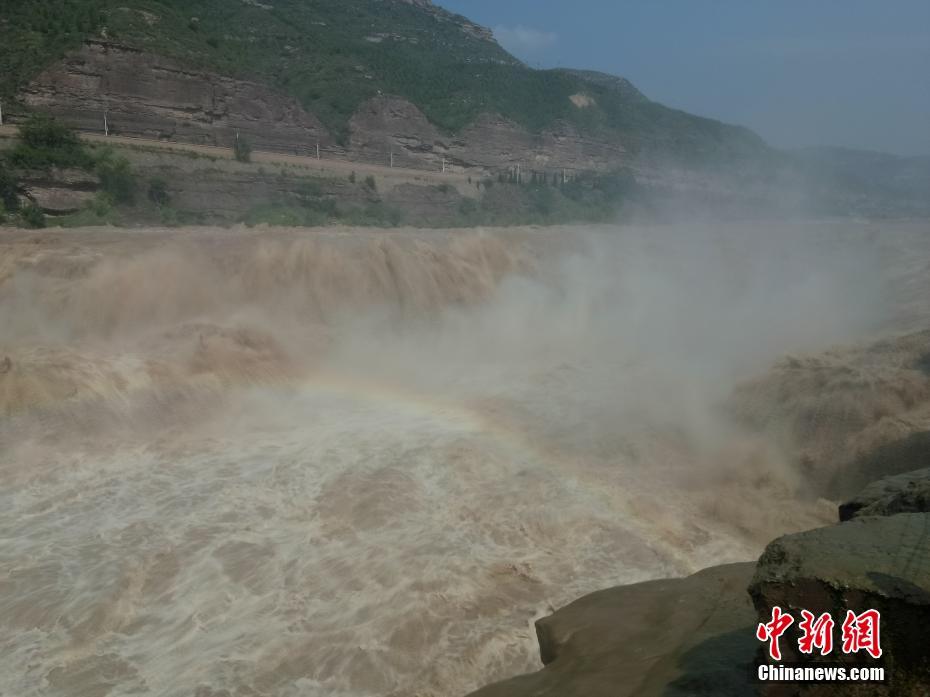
x,y
408,83
148,95
365,75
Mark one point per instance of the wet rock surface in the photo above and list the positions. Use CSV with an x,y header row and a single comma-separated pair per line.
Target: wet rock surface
x,y
903,493
872,563
688,636
695,636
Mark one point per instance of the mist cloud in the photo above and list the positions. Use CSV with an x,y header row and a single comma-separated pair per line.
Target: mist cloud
x,y
355,454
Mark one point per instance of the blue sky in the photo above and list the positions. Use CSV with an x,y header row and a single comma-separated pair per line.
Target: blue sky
x,y
852,73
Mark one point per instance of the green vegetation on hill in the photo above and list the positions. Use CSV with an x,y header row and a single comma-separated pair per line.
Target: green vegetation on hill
x,y
9,190
34,33
44,145
542,200
334,54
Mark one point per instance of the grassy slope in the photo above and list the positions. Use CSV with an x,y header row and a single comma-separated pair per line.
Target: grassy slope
x,y
320,52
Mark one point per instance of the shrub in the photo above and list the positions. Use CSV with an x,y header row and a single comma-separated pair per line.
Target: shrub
x,y
45,132
116,177
242,150
32,216
374,214
44,143
98,211
370,183
168,216
172,217
307,189
282,215
158,192
9,187
352,177
468,207
325,206
101,205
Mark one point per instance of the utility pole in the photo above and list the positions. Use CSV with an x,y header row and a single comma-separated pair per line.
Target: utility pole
x,y
392,159
443,165
1,113
318,150
106,125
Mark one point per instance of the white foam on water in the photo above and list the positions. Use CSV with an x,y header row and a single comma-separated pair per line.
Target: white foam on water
x,y
318,464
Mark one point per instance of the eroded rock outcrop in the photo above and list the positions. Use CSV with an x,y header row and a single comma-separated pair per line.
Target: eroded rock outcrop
x,y
880,563
696,636
903,493
59,191
388,124
688,636
150,96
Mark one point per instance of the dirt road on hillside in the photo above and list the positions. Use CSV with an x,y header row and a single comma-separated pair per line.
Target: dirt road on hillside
x,y
327,167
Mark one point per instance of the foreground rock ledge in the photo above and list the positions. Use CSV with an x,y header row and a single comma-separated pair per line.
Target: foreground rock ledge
x,y
903,493
696,635
687,636
880,563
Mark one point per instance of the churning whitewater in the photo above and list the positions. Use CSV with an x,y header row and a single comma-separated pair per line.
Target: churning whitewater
x,y
254,462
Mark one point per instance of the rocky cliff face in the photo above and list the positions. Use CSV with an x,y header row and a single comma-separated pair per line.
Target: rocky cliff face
x,y
59,191
903,493
149,96
493,143
224,192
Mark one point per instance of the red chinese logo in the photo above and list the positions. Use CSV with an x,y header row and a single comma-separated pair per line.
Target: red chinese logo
x,y
772,631
860,633
817,633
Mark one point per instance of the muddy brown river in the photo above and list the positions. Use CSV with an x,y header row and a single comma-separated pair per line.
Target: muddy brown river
x,y
361,463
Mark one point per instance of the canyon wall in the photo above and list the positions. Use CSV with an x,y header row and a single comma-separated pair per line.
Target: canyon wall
x,y
493,143
149,96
